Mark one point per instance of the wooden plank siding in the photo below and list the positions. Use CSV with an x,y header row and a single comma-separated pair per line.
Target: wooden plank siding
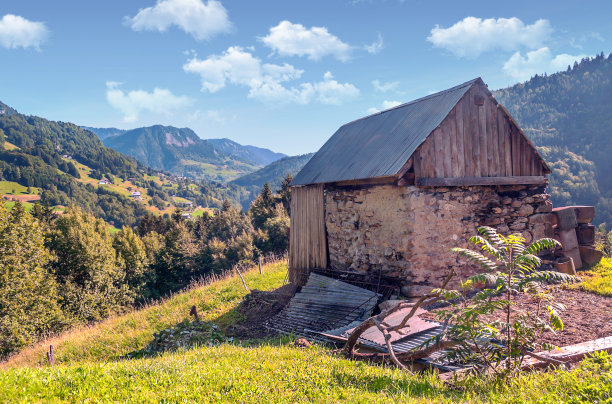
x,y
307,236
477,139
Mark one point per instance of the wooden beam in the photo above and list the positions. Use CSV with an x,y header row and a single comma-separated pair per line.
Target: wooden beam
x,y
390,179
468,181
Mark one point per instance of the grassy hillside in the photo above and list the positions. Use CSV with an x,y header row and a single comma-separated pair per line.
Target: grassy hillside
x,y
257,371
118,336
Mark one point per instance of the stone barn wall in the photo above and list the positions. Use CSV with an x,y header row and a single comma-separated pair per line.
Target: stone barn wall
x,y
407,232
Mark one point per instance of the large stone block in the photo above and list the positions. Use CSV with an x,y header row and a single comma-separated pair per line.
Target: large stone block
x,y
566,217
567,238
585,234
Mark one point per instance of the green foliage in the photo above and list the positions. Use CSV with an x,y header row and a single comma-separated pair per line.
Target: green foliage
x,y
510,268
92,281
598,279
28,292
133,259
262,207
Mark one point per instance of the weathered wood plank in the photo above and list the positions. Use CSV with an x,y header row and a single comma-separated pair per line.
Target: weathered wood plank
x,y
482,135
468,181
516,151
495,139
438,160
506,156
451,131
460,140
492,150
467,137
430,158
474,129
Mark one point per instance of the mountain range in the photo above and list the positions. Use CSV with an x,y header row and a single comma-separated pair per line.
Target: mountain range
x,y
182,152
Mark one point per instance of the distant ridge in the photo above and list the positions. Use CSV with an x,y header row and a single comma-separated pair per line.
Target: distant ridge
x,y
254,154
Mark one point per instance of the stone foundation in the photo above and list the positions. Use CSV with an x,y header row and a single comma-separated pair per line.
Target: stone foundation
x,y
407,232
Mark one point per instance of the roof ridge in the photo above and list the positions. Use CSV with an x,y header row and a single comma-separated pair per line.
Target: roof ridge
x,y
439,93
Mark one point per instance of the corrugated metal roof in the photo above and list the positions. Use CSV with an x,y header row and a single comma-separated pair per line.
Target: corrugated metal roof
x,y
324,303
380,144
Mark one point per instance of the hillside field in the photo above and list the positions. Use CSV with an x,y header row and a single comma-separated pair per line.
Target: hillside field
x,y
272,370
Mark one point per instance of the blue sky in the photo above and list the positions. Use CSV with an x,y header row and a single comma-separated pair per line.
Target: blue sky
x,y
278,74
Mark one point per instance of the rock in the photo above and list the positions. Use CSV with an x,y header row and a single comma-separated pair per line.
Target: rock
x,y
541,218
545,207
518,226
302,343
525,210
516,204
507,200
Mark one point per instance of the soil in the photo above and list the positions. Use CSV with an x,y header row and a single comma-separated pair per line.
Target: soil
x,y
587,316
257,308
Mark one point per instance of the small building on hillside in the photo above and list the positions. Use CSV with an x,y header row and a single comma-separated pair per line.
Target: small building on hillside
x,y
388,195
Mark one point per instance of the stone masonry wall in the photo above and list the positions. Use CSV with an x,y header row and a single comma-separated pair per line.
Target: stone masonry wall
x,y
407,232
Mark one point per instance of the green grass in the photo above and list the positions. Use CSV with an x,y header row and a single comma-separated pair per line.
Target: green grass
x,y
9,146
13,188
598,279
27,206
120,335
271,374
90,367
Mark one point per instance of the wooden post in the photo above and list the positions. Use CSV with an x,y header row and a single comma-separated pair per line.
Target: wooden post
x,y
194,312
260,273
241,278
50,357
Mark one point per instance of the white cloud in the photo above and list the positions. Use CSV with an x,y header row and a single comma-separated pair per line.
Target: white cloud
x,y
537,62
385,105
131,104
17,32
200,19
266,81
288,39
238,66
376,46
473,36
385,87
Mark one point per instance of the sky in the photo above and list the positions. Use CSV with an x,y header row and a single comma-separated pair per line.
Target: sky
x,y
278,74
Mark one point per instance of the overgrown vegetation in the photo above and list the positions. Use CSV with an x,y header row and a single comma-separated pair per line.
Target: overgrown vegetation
x,y
510,268
215,299
80,273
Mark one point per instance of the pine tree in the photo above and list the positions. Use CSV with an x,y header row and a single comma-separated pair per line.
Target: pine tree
x,y
29,306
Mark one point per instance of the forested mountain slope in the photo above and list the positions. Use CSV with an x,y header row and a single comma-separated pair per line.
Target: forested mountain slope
x,y
568,115
61,164
273,174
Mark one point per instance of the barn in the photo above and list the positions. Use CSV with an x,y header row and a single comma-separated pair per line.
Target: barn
x,y
388,195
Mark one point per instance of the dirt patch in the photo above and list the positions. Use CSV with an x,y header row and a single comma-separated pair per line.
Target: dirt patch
x,y
587,316
257,308
22,198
